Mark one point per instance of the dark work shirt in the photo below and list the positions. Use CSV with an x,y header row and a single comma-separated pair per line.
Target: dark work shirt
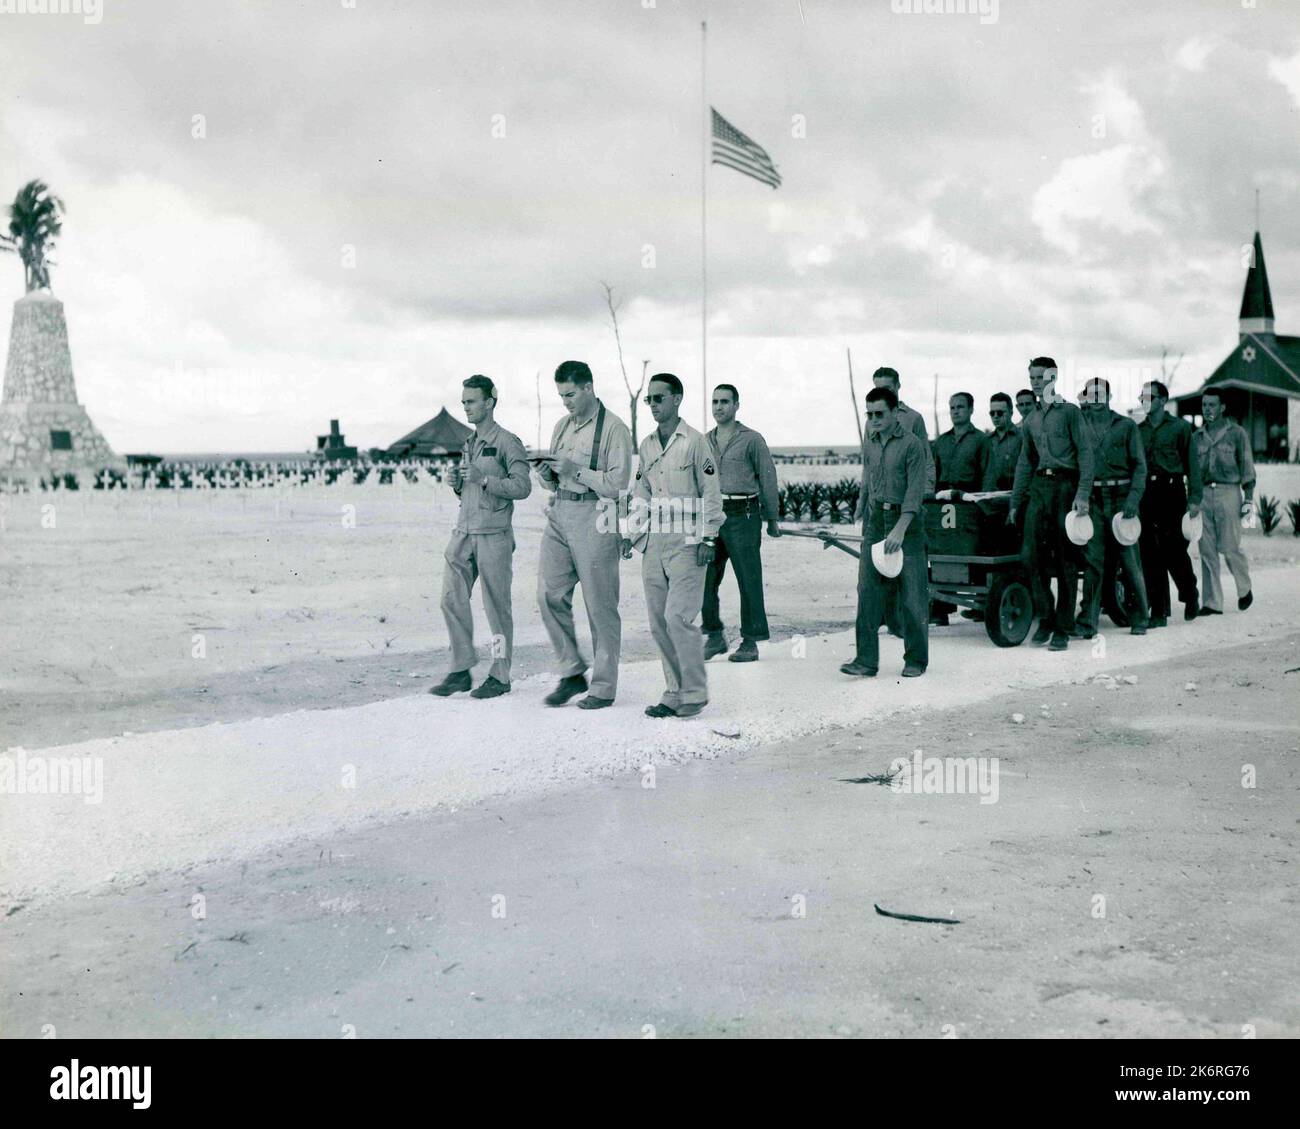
x,y
746,467
1052,438
1118,452
1004,452
960,462
913,421
894,469
1169,451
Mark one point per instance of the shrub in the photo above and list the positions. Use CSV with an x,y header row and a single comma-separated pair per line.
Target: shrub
x,y
817,498
1293,509
1269,517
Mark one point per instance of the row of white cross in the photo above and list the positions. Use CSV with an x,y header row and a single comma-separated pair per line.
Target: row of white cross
x,y
257,476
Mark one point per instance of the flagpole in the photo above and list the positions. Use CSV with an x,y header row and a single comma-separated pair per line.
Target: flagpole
x,y
704,228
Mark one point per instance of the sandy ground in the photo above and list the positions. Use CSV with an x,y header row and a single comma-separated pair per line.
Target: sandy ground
x,y
612,909
128,613
329,904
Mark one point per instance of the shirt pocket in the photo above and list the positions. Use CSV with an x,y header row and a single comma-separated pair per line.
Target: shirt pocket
x,y
1058,443
681,478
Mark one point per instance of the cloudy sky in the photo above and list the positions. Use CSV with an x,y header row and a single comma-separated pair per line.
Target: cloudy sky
x,y
281,213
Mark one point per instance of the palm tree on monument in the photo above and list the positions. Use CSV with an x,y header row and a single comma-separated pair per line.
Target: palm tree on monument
x,y
35,222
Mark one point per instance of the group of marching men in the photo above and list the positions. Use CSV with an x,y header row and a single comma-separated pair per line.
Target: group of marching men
x,y
1085,483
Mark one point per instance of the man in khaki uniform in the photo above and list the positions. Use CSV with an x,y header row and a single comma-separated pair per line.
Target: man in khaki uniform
x,y
491,477
676,513
1222,452
580,545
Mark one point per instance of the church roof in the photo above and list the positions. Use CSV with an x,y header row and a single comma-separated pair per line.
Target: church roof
x,y
441,435
1256,299
1261,362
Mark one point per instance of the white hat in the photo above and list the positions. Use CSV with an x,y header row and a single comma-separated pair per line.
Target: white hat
x,y
1127,530
1192,527
1078,527
888,565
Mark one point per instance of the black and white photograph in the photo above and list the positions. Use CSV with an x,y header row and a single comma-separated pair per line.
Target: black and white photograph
x,y
650,519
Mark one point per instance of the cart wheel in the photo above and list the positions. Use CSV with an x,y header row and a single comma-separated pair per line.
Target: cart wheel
x,y
1008,611
1116,598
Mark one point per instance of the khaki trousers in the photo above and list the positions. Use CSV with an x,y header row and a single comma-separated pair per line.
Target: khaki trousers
x,y
1221,534
487,557
674,592
575,551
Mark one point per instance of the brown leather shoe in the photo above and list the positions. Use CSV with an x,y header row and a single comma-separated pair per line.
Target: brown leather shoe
x,y
591,702
660,710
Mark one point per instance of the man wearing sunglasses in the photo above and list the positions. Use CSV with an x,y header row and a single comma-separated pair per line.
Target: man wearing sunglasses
x,y
1004,445
889,506
675,516
747,477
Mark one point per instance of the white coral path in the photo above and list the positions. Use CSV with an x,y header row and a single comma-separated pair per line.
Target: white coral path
x,y
180,797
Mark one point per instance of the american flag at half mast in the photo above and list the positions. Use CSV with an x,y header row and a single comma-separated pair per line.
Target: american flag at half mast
x,y
733,149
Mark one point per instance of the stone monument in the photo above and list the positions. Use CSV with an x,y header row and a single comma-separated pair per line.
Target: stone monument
x,y
44,430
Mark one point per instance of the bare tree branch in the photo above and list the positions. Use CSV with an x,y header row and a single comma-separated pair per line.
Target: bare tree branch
x,y
633,397
1168,371
618,340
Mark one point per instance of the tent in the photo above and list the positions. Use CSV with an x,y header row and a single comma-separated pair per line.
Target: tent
x,y
440,436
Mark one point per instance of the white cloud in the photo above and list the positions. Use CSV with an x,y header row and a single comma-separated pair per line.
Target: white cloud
x,y
1287,72
1191,55
1099,190
1118,109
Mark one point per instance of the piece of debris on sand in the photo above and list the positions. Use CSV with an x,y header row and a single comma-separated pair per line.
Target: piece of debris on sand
x,y
916,917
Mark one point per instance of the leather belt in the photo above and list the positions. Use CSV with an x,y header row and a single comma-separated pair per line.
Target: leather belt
x,y
572,496
1112,482
890,505
1216,483
1057,472
1164,476
740,497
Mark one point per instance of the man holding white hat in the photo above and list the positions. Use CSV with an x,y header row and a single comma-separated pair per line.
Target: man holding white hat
x,y
1055,475
1222,452
1167,441
1121,477
895,469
